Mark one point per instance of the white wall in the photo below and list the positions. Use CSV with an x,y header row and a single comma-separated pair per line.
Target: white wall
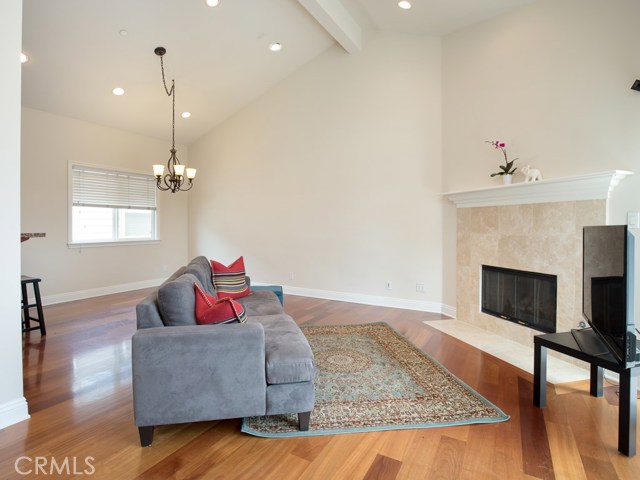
x,y
334,175
13,407
49,142
553,80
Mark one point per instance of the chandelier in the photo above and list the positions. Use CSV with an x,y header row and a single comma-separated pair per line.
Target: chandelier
x,y
175,179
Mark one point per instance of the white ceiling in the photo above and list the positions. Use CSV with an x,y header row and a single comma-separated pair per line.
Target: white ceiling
x,y
219,56
430,17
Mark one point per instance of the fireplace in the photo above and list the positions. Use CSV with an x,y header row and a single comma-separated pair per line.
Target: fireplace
x,y
530,226
526,298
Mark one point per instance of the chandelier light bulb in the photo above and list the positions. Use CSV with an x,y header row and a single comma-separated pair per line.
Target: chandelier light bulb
x,y
179,170
158,170
405,5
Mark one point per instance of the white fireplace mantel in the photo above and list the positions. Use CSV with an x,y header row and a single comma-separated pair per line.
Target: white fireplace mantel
x,y
592,186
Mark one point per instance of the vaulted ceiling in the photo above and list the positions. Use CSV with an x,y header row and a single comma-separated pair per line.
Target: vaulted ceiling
x,y
80,50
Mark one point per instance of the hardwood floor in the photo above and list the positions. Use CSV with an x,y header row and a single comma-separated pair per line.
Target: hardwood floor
x,y
78,387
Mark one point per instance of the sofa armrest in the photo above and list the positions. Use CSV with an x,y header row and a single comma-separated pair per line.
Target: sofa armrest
x,y
195,373
276,289
147,313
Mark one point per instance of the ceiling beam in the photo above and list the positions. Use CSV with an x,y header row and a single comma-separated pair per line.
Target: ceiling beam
x,y
336,20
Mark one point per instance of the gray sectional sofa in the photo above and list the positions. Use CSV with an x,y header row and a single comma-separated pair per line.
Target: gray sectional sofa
x,y
184,372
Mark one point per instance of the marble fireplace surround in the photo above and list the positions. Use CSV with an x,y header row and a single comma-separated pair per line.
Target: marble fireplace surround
x,y
533,227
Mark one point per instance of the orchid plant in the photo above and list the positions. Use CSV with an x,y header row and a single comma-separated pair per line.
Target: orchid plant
x,y
507,168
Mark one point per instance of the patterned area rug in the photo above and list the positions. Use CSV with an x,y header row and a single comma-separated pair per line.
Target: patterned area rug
x,y
368,377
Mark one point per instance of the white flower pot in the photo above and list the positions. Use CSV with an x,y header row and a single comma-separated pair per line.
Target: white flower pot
x,y
507,179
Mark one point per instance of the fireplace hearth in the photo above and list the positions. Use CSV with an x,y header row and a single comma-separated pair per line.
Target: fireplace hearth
x,y
526,298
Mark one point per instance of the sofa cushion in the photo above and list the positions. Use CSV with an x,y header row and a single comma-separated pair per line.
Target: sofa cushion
x,y
262,302
200,268
176,301
288,356
230,281
210,310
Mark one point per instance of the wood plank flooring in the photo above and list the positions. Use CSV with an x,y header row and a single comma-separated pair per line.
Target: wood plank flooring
x,y
78,387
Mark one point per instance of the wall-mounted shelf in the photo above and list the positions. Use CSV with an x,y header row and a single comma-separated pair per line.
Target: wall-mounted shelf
x,y
592,186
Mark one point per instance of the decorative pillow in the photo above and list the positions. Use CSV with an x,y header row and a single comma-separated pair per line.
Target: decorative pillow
x,y
230,281
209,310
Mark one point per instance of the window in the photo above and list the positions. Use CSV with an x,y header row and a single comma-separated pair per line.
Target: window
x,y
109,206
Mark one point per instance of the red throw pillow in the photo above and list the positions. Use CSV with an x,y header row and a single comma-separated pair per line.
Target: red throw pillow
x,y
210,310
230,281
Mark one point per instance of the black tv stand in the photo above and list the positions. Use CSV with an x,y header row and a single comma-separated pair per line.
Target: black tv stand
x,y
589,342
565,343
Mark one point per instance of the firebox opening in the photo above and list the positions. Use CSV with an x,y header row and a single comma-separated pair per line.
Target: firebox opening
x,y
526,298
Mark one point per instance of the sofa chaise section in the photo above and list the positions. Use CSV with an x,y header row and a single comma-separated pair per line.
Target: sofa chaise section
x,y
190,373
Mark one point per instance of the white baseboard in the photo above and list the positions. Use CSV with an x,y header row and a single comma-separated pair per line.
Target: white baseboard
x,y
419,305
614,378
98,292
13,412
449,311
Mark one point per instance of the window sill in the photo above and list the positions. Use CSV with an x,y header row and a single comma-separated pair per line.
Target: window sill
x,y
113,244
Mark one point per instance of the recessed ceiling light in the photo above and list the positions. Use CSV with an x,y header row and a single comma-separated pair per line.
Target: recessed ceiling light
x,y
212,3
185,114
24,58
123,32
118,91
403,4
275,47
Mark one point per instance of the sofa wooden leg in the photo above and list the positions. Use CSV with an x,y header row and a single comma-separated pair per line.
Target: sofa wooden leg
x,y
303,421
146,436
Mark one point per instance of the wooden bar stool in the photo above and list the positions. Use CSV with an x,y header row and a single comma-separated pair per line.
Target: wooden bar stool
x,y
26,315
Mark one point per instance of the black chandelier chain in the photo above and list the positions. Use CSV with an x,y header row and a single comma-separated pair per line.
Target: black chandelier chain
x,y
170,93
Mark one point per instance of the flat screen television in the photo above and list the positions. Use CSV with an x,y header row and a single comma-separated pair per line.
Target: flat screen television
x,y
608,289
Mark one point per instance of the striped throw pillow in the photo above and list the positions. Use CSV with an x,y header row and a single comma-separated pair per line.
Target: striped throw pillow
x,y
231,281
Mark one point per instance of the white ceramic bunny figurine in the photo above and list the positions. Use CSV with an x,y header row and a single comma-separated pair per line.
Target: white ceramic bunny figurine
x,y
531,174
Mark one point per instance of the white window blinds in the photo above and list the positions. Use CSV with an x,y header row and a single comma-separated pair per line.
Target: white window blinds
x,y
95,187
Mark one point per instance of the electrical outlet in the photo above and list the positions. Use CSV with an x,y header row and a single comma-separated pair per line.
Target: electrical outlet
x,y
291,276
388,285
420,287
